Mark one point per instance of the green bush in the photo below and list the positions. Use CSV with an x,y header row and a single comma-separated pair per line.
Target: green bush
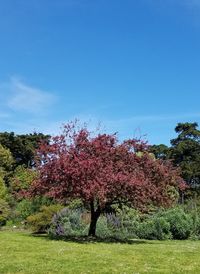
x,y
3,189
156,228
26,207
165,224
4,212
127,221
102,229
197,228
23,209
181,223
193,209
40,221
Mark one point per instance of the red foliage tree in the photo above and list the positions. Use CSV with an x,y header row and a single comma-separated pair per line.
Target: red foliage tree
x,y
102,172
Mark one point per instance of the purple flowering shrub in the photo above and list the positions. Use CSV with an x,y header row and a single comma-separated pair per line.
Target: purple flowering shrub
x,y
75,222
67,222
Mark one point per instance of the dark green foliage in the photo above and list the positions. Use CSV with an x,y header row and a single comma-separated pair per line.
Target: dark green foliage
x,y
197,228
6,159
181,224
40,221
4,212
3,189
185,152
22,146
156,228
165,224
6,164
160,151
23,209
26,207
192,207
186,131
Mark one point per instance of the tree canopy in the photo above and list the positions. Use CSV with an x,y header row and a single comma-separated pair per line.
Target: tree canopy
x,y
22,146
160,151
185,152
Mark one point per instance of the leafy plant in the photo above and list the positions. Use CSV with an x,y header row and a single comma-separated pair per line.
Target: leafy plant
x,y
67,222
40,221
181,223
156,228
4,212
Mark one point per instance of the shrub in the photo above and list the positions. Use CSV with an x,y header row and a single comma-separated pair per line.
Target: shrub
x,y
122,223
181,223
126,223
103,230
21,180
40,222
3,189
193,208
165,224
197,228
26,207
67,222
23,209
4,212
156,228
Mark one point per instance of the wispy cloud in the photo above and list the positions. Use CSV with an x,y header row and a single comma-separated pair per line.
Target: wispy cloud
x,y
25,108
26,98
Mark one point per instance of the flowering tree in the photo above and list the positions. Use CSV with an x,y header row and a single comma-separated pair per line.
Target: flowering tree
x,y
101,172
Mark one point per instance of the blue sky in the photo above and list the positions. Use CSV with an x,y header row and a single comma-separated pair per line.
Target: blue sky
x,y
133,66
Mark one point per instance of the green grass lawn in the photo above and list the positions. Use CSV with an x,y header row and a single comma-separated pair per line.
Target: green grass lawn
x,y
23,253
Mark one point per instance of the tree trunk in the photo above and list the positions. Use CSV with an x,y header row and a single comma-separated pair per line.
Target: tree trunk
x,y
94,218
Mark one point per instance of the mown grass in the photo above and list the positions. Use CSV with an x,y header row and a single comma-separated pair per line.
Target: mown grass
x,y
23,253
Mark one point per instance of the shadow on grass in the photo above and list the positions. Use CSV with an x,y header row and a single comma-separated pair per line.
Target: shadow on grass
x,y
88,239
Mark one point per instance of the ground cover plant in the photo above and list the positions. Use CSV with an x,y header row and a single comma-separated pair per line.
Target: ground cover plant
x,y
24,253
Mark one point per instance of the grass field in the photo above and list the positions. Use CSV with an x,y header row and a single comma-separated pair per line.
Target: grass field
x,y
23,253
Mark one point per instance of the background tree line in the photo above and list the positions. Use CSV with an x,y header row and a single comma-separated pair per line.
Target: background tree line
x,y
184,152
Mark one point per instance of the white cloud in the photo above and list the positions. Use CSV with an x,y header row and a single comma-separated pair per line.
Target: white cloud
x,y
27,98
